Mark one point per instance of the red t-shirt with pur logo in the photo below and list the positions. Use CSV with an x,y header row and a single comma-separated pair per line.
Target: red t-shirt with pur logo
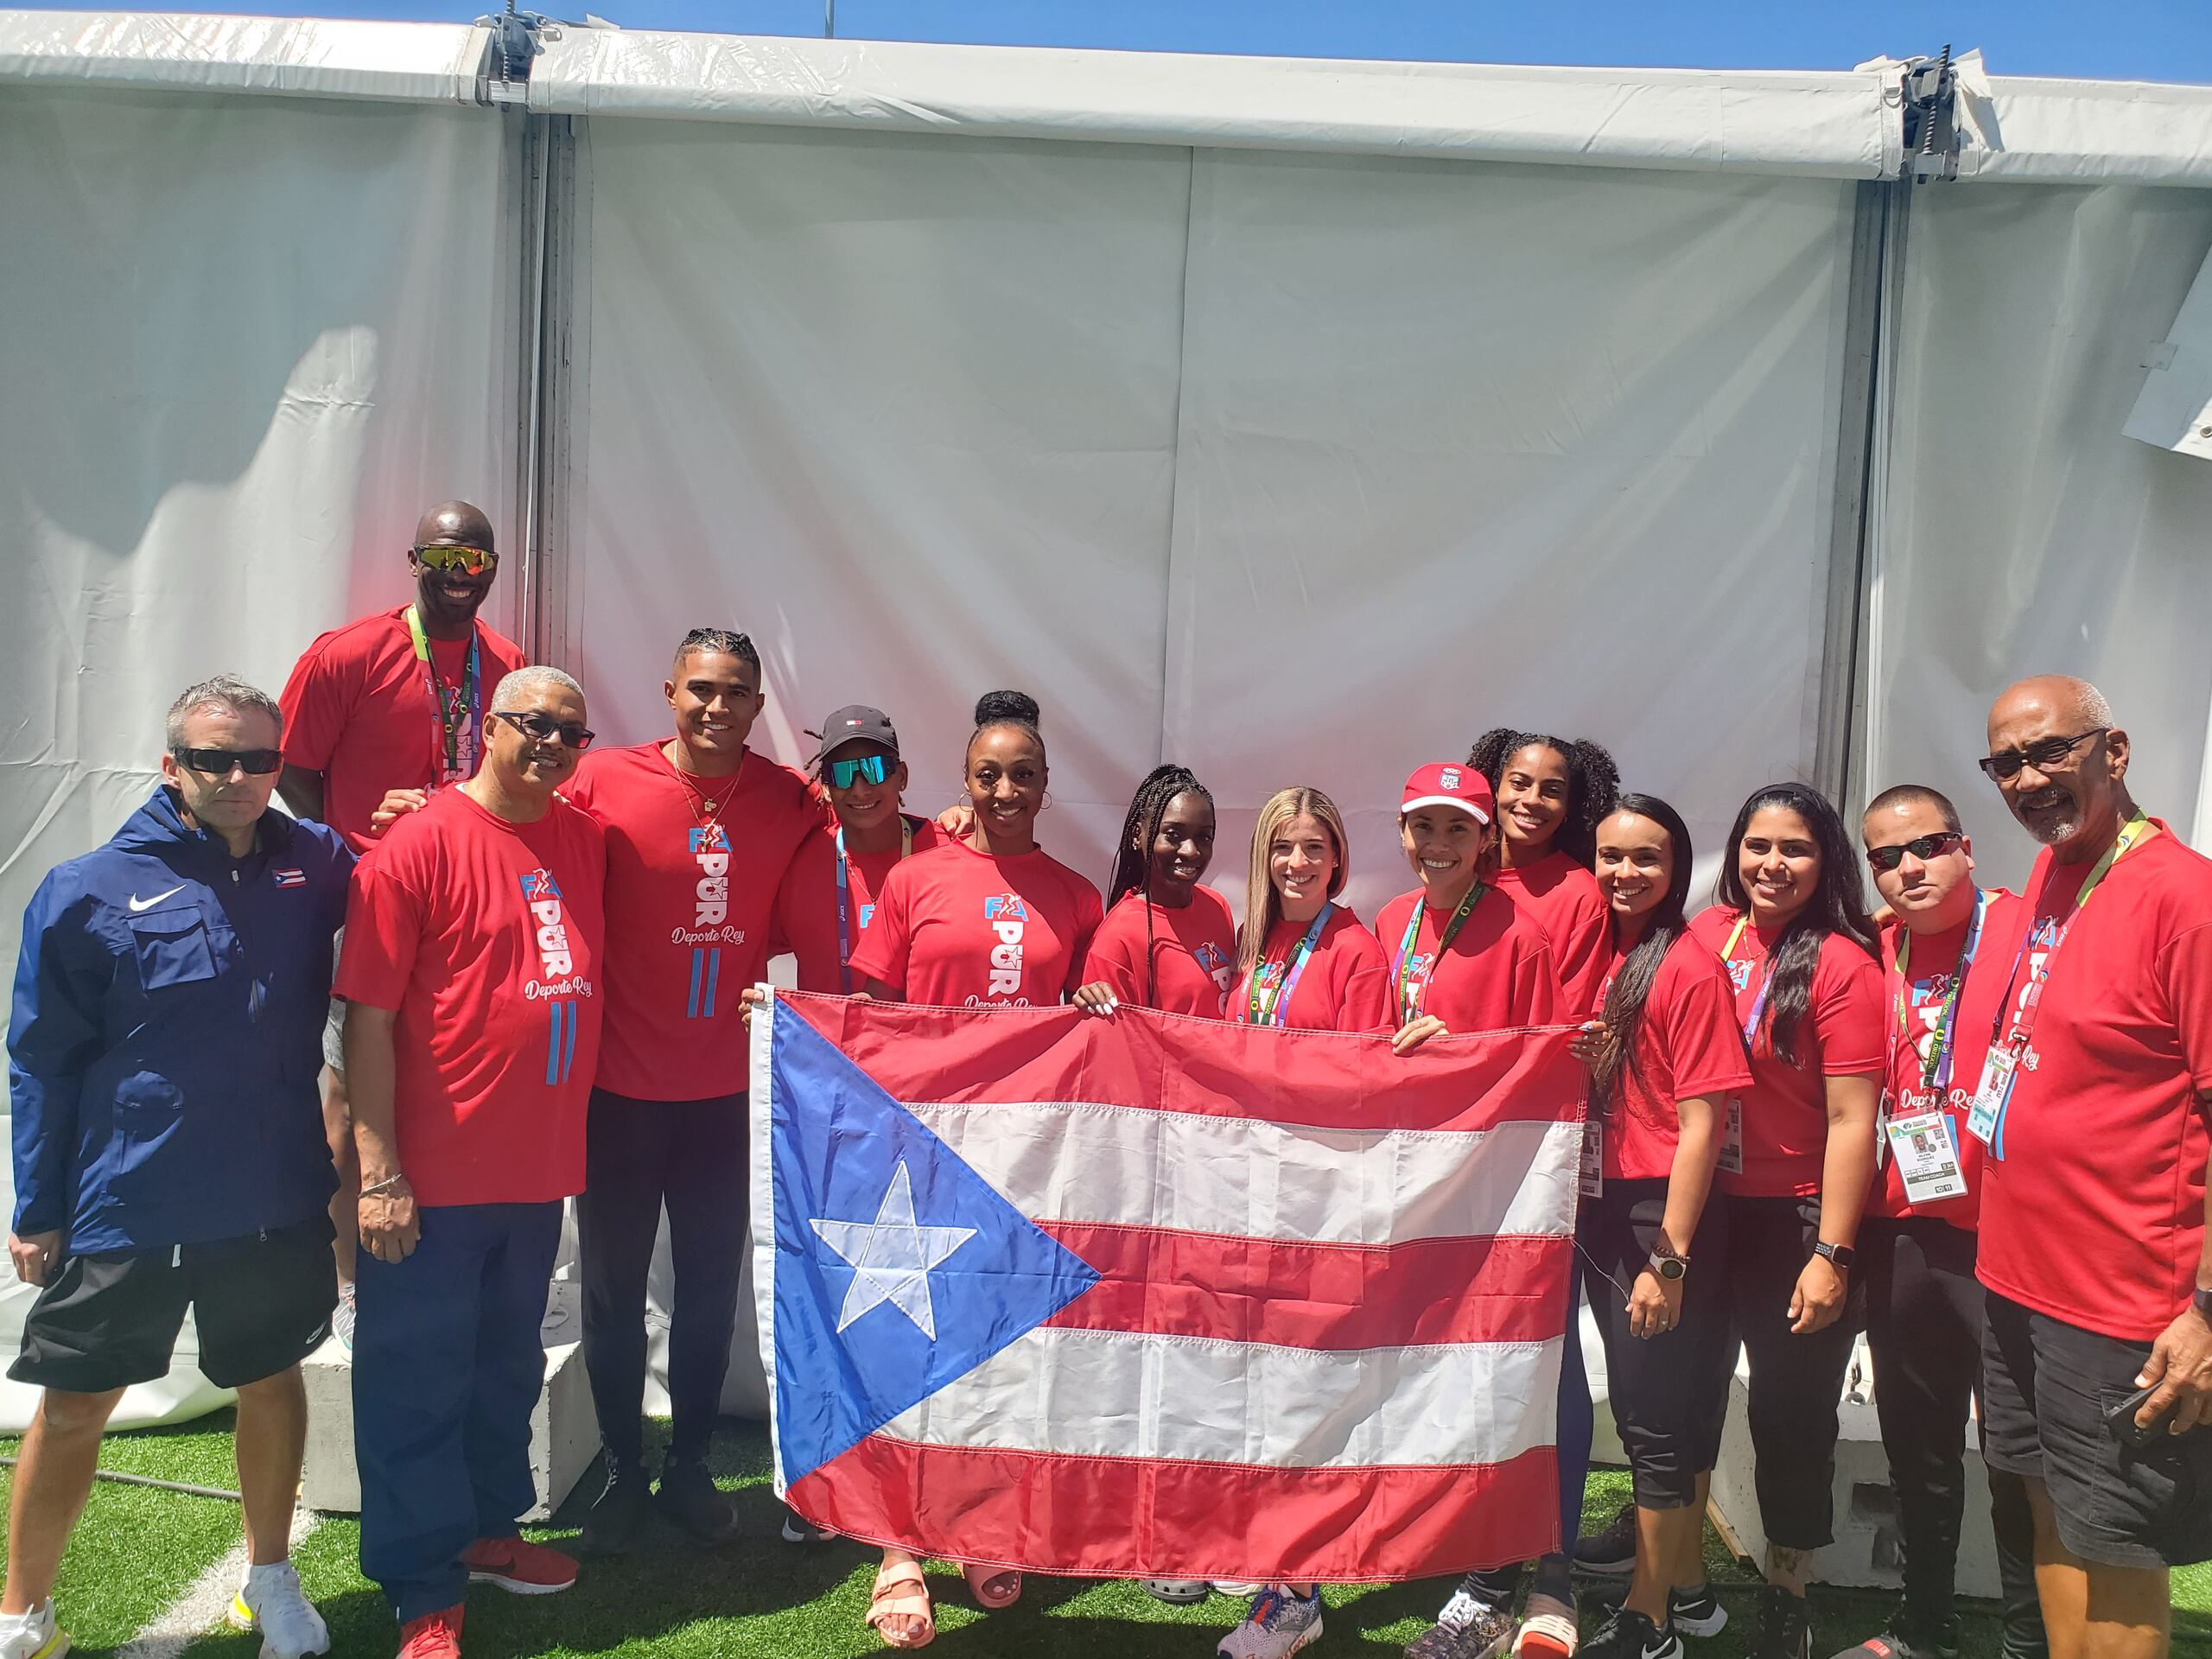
x,y
484,938
693,869
1193,954
956,928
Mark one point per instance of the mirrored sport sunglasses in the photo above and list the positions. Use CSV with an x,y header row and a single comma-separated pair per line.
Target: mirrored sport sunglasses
x,y
874,767
2050,753
540,728
216,763
1923,847
439,556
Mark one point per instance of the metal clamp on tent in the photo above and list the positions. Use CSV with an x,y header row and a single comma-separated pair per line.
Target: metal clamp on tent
x,y
1931,134
516,38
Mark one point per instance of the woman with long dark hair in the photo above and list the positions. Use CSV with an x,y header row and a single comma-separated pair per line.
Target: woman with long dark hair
x,y
1665,1055
1552,792
990,921
1167,942
1796,1157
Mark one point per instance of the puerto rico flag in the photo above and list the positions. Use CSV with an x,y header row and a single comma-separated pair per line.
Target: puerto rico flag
x,y
1158,1296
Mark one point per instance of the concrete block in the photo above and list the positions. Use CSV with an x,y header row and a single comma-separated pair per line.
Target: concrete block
x,y
563,1428
1868,1551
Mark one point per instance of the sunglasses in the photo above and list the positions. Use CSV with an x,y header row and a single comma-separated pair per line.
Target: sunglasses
x,y
1923,847
2043,756
540,728
475,560
874,767
216,763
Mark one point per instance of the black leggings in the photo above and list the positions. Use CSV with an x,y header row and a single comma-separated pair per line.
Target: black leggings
x,y
1669,1392
690,1155
1796,1382
1924,1324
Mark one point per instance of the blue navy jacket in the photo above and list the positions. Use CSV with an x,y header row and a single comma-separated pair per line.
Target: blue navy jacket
x,y
166,1049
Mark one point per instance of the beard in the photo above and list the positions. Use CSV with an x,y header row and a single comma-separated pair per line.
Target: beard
x,y
2054,823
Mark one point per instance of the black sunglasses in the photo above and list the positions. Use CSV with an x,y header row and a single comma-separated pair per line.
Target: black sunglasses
x,y
216,763
540,727
1923,847
2051,751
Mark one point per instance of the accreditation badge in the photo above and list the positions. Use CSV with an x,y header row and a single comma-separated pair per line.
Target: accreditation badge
x,y
1998,1070
1732,1137
1927,1151
1590,1181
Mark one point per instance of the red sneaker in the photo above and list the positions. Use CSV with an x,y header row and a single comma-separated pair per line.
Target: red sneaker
x,y
518,1566
433,1636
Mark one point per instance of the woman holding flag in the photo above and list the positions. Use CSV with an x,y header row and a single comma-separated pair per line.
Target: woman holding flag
x,y
1303,960
1167,942
1796,1157
988,921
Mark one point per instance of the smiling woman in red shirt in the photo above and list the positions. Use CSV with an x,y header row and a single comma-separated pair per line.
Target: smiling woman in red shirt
x,y
1303,960
1166,943
989,920
1551,794
1797,1155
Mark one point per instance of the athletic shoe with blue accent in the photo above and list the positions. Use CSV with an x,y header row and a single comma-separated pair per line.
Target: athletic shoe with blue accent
x,y
1277,1625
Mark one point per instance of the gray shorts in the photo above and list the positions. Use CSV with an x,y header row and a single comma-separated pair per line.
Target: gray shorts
x,y
334,1028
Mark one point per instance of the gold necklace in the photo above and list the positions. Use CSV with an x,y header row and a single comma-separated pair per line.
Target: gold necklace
x,y
708,812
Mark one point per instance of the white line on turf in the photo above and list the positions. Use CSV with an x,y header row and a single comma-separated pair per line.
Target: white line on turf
x,y
201,1607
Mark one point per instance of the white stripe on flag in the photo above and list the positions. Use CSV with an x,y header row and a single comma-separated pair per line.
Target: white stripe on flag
x,y
1251,1177
1119,1394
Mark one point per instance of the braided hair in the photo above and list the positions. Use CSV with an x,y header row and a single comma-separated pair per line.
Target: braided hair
x,y
1132,856
1593,783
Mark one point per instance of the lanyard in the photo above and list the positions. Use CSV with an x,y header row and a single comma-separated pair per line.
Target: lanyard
x,y
452,727
1935,1069
1272,1010
1766,981
2136,830
845,900
1409,996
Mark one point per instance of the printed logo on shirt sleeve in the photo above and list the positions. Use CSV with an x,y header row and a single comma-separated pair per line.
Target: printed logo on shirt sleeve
x,y
1008,917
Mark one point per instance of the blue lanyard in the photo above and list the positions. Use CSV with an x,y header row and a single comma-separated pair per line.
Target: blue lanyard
x,y
845,900
1279,1006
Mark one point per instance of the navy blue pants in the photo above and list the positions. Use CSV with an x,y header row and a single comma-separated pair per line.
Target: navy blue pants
x,y
447,1365
1576,1423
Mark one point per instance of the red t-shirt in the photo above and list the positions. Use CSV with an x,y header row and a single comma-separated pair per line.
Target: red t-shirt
x,y
1785,1113
1498,974
806,910
1910,1036
1345,985
2093,1206
690,890
956,928
358,710
1561,897
1689,1044
1193,954
485,938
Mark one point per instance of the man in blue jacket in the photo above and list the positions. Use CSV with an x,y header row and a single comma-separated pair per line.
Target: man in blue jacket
x,y
169,1152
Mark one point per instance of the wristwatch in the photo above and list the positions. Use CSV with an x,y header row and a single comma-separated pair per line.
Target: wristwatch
x,y
1838,1255
2202,1298
1666,1262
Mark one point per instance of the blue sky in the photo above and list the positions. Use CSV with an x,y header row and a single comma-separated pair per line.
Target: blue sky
x,y
2131,40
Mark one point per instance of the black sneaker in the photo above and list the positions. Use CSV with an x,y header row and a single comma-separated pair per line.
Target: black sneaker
x,y
1785,1626
1696,1613
1630,1635
1908,1639
687,1496
618,1514
1612,1552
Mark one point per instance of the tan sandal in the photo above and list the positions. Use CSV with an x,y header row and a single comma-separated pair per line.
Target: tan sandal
x,y
901,1592
981,1577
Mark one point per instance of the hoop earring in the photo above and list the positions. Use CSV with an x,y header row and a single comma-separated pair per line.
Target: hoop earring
x,y
1045,806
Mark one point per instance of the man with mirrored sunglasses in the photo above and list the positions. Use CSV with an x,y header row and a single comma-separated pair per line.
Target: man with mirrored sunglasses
x,y
377,715
2091,1110
1916,1244
169,1144
700,831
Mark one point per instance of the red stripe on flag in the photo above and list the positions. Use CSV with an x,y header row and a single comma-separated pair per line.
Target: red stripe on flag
x,y
1304,1295
1137,1517
1171,1062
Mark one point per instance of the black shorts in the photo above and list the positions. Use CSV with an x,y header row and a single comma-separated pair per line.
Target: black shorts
x,y
2046,1387
261,1303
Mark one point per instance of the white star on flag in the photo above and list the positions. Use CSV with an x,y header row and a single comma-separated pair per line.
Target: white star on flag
x,y
891,1257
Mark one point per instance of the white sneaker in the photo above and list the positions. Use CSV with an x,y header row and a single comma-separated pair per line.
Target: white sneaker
x,y
272,1601
33,1635
1276,1626
1178,1593
342,1318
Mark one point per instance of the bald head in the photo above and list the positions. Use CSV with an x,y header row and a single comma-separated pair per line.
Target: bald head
x,y
454,523
2061,763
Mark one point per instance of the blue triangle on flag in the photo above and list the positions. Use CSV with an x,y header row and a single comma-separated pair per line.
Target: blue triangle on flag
x,y
884,1230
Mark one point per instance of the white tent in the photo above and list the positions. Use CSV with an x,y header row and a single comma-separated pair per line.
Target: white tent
x,y
1297,420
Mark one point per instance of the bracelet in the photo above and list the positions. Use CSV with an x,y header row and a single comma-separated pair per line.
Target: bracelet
x,y
379,1186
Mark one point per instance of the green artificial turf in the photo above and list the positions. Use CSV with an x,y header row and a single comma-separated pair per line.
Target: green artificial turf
x,y
760,1598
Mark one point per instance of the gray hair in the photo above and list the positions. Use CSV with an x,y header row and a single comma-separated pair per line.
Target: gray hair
x,y
2094,709
226,692
526,681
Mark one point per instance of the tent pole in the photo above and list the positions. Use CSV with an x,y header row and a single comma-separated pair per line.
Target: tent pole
x,y
544,595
